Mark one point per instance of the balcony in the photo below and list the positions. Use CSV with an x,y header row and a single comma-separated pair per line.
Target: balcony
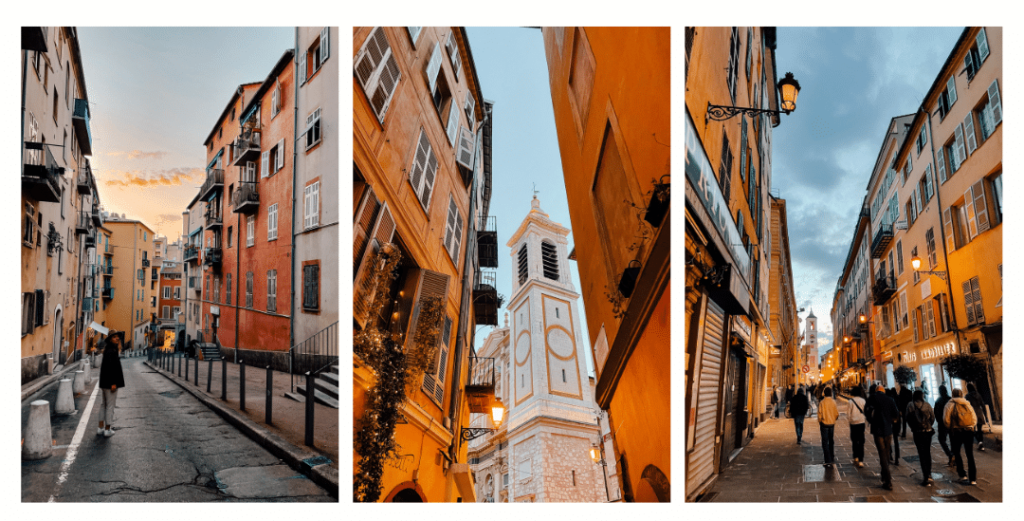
x,y
480,387
108,293
83,225
41,178
246,199
81,121
883,289
247,147
108,271
34,39
195,283
97,219
214,181
487,244
191,253
486,300
82,179
212,257
881,241
145,263
90,241
214,217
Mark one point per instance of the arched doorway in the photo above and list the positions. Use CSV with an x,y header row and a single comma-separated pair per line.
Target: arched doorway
x,y
408,492
653,487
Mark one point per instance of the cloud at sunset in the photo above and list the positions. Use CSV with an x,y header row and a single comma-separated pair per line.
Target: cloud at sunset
x,y
138,154
151,178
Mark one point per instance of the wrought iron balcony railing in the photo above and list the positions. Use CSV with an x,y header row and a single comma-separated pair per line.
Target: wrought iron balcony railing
x,y
881,241
247,147
41,180
212,257
486,300
191,253
80,119
214,181
883,289
246,199
480,386
487,243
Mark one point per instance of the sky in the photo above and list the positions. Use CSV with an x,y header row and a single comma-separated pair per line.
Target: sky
x,y
155,95
853,82
513,74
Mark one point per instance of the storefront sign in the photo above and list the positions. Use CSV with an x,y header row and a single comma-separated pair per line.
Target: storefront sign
x,y
741,326
701,175
938,351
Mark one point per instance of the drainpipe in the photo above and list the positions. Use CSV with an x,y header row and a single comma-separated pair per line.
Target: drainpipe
x,y
945,254
295,180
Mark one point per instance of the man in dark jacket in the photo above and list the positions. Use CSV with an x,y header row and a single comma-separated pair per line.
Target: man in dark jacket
x,y
905,397
920,417
940,405
882,415
111,378
978,403
798,407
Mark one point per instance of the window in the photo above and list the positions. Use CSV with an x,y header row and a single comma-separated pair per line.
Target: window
x,y
165,312
581,76
899,257
523,265
990,113
227,289
311,196
917,275
414,34
734,58
275,101
904,309
549,257
423,170
929,237
313,129
28,238
272,222
996,184
278,156
216,289
248,289
177,292
976,56
925,187
167,292
972,302
311,287
318,52
378,71
470,109
55,104
948,97
272,291
250,230
453,231
452,46
922,140
725,167
28,312
231,236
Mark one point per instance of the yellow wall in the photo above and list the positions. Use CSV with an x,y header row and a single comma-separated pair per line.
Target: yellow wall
x,y
128,242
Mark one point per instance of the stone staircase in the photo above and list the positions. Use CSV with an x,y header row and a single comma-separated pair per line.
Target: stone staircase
x,y
325,388
210,351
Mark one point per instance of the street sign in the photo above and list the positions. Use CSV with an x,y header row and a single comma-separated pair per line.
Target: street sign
x,y
807,368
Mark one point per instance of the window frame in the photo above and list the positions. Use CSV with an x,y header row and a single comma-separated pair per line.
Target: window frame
x,y
272,222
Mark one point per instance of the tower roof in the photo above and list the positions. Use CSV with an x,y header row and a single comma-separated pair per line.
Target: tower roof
x,y
540,218
812,314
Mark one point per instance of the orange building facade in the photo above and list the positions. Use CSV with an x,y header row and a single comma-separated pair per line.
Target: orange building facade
x,y
610,90
418,165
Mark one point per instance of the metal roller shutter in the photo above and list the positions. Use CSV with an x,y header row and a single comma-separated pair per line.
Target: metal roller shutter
x,y
701,461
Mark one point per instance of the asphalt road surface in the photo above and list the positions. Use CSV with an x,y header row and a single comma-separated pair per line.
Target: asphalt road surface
x,y
167,447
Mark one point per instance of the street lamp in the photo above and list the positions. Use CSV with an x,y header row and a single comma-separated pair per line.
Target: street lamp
x,y
789,88
916,263
497,413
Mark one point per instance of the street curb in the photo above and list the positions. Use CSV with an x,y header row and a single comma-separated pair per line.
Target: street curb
x,y
323,475
42,382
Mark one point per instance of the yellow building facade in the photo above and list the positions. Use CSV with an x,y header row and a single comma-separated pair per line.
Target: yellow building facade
x,y
134,294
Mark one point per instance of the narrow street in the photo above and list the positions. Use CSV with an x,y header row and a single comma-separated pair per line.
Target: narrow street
x,y
773,468
167,447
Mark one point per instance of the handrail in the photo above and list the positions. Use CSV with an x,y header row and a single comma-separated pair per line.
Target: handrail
x,y
302,357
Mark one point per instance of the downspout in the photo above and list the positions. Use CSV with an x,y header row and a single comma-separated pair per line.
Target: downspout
x,y
942,228
295,179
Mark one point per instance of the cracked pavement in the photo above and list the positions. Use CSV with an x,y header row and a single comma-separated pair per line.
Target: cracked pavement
x,y
168,447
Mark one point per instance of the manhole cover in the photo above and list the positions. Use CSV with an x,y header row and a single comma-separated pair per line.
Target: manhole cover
x,y
821,473
869,499
171,394
962,497
316,460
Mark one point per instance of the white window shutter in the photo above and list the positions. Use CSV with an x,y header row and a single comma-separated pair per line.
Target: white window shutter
x,y
433,66
969,65
961,150
453,124
951,90
302,67
972,223
457,238
471,110
917,200
442,360
265,163
982,41
453,52
306,206
995,104
972,142
280,154
449,227
942,165
981,206
314,217
429,172
363,288
414,33
419,163
325,45
467,148
947,222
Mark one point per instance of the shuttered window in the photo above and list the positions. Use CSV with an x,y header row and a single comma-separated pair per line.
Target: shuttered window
x,y
414,34
311,287
272,222
470,108
272,291
423,170
248,289
250,230
381,233
365,218
378,72
453,231
452,128
311,205
467,148
972,302
452,46
549,258
523,264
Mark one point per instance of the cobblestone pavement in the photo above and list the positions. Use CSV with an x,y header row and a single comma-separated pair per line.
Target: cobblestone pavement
x,y
773,468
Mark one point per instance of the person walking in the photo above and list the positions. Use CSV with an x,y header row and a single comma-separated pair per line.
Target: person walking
x,y
921,418
961,419
940,405
855,415
895,456
111,379
775,401
978,403
828,413
881,413
904,397
798,407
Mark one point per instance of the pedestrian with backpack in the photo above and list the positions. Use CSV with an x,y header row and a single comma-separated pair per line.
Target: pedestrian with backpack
x,y
880,411
940,405
960,417
920,418
894,458
978,403
855,415
798,408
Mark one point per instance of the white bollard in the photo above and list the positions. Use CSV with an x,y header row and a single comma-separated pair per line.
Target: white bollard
x,y
78,387
86,368
38,443
65,398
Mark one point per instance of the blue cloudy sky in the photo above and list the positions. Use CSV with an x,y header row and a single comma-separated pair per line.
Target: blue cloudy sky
x,y
853,82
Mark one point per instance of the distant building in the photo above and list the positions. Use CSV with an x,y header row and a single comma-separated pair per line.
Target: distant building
x,y
134,293
782,369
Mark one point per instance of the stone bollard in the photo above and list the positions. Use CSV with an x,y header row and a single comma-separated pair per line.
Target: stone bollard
x,y
38,442
87,369
65,398
78,387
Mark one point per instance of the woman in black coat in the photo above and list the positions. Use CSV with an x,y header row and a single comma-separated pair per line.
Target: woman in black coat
x,y
111,378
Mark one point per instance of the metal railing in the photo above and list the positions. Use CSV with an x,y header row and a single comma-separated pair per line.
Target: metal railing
x,y
214,177
191,253
315,353
247,194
